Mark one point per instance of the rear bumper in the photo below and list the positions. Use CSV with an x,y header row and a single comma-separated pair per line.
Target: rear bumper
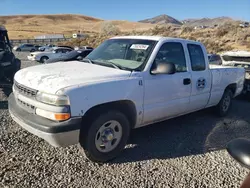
x,y
55,133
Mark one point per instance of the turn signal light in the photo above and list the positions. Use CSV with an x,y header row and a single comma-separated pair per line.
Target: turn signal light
x,y
62,116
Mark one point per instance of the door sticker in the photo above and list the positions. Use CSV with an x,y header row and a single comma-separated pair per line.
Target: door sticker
x,y
139,47
201,83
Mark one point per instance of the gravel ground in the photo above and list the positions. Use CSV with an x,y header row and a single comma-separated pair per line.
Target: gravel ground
x,y
183,152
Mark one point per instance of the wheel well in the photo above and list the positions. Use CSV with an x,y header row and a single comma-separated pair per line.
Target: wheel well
x,y
43,57
125,106
232,87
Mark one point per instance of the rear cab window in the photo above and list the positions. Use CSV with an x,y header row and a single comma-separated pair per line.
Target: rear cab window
x,y
197,58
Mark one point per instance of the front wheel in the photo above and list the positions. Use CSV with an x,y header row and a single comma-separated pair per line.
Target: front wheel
x,y
225,103
106,136
44,59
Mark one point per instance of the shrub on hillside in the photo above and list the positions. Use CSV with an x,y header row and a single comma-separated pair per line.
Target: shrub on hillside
x,y
221,32
162,30
108,28
248,45
186,29
226,28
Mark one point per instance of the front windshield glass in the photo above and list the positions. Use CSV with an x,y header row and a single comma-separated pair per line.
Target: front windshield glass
x,y
128,53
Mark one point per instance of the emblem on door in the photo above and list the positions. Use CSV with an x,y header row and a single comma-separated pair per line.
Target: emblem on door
x,y
201,83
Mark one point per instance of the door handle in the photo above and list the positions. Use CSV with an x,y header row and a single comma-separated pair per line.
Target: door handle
x,y
187,81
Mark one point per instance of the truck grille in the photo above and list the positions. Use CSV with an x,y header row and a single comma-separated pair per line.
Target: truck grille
x,y
25,90
29,108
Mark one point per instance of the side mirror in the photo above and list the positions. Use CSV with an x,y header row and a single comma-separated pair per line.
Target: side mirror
x,y
164,68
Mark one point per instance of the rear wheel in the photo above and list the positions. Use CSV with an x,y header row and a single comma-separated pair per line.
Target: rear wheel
x,y
225,103
18,49
44,59
106,136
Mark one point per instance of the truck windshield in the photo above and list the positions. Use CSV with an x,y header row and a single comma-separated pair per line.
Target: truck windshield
x,y
236,58
128,53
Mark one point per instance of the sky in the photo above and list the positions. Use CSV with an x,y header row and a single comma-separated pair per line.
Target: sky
x,y
131,10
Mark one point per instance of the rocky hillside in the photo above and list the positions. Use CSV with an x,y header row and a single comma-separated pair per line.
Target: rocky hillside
x,y
207,21
226,37
28,26
162,19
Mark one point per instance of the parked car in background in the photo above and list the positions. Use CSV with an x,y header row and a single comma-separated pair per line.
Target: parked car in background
x,y
71,56
63,46
25,48
37,47
83,47
86,47
127,82
244,24
55,52
239,59
214,59
46,47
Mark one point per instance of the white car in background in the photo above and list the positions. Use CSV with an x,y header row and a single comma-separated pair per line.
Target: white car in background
x,y
46,47
55,52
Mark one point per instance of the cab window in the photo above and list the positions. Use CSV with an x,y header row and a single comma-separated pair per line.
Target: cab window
x,y
172,52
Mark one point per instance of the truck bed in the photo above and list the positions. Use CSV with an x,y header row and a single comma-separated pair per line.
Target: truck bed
x,y
222,76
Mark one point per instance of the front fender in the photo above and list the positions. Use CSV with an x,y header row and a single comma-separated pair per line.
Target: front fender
x,y
82,98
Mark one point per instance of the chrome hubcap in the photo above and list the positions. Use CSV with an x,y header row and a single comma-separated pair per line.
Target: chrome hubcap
x,y
226,103
108,136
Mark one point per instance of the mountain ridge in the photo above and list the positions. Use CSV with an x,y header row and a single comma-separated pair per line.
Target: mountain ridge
x,y
161,19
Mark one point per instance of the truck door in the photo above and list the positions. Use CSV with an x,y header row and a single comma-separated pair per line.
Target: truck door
x,y
201,77
167,95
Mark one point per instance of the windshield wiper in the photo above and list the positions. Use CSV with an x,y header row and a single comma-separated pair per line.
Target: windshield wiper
x,y
114,65
118,66
106,62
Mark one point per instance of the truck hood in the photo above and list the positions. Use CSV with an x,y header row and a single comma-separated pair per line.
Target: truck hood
x,y
50,78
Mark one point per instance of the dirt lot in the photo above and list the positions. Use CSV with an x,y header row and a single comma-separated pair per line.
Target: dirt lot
x,y
183,152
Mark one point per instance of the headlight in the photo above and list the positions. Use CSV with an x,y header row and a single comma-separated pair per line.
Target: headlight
x,y
57,100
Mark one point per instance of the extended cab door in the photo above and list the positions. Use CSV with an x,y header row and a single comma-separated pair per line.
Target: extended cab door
x,y
201,77
167,95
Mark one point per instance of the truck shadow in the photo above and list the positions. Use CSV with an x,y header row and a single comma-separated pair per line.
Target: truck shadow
x,y
192,134
6,92
3,105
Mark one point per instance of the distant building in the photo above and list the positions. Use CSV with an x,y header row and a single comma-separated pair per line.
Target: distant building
x,y
78,35
50,36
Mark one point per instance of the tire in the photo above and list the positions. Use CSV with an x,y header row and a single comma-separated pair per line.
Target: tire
x,y
225,103
92,142
18,49
43,59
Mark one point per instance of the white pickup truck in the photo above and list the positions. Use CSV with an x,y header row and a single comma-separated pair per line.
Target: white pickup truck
x,y
125,83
